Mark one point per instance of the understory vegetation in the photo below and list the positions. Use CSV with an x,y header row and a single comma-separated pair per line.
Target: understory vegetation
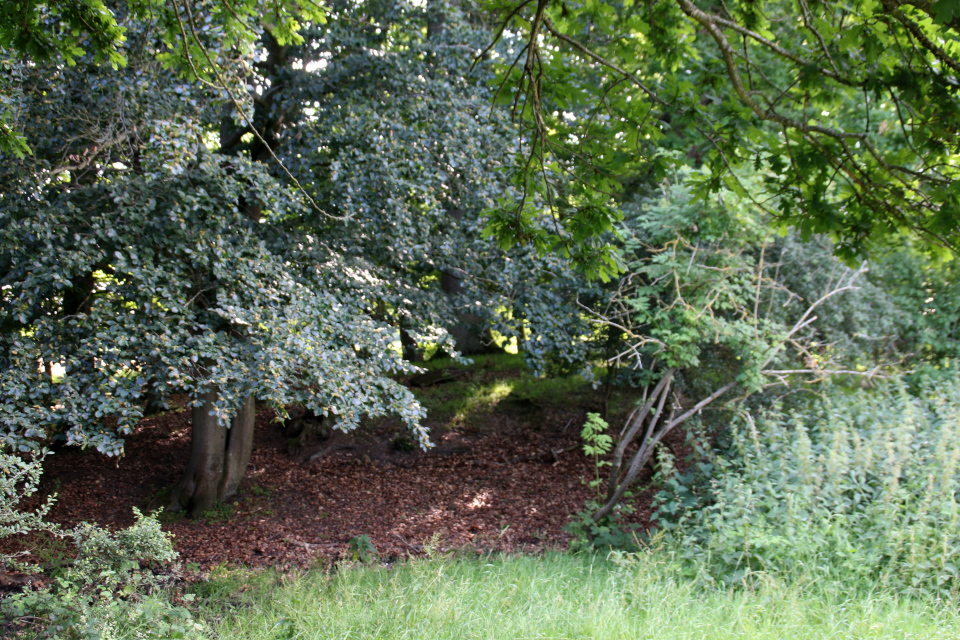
x,y
856,488
836,518
828,516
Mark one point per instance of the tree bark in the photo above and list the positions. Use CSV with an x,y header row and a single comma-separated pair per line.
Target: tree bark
x,y
218,457
152,401
411,352
238,448
436,19
470,338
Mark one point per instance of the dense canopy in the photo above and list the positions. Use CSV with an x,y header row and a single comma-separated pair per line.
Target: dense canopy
x,y
849,108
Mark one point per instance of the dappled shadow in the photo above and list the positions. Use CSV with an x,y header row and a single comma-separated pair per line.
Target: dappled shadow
x,y
491,483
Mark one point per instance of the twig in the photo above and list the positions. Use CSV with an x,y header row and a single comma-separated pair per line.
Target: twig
x,y
305,545
404,541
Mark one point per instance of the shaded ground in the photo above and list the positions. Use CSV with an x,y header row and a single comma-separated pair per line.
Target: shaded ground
x,y
506,474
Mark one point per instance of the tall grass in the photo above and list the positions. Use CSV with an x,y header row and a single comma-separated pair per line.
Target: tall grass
x,y
559,596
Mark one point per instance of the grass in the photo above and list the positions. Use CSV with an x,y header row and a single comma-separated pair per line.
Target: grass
x,y
559,596
458,401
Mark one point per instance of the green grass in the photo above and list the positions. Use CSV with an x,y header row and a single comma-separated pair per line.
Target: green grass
x,y
560,596
458,401
488,362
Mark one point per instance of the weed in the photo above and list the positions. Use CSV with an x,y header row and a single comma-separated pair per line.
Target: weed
x,y
596,443
431,548
362,549
610,532
221,512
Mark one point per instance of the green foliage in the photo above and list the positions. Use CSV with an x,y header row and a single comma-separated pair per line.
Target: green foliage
x,y
140,260
19,478
522,392
202,41
145,263
596,443
845,115
402,442
860,488
363,550
693,272
608,532
113,589
61,29
711,305
220,513
395,139
705,311
902,313
64,31
117,560
925,297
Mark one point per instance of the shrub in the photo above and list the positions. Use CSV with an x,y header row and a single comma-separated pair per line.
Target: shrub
x,y
113,589
862,487
19,478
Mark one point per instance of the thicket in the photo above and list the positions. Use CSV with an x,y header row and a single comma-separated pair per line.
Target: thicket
x,y
858,487
713,306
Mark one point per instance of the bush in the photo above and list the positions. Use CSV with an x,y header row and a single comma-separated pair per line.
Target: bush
x,y
863,487
113,589
19,478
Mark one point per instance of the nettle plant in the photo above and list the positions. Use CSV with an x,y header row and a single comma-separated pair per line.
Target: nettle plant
x,y
703,316
860,487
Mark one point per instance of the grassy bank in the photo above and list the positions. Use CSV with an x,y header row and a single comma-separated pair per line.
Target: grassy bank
x,y
561,596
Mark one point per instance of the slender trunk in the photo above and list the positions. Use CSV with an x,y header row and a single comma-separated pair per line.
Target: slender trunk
x,y
239,447
218,457
153,403
436,19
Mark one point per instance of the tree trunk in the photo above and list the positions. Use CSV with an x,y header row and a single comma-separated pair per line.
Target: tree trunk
x,y
436,19
411,352
238,448
152,402
218,457
470,337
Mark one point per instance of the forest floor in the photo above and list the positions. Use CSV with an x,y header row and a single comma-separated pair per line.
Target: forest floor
x,y
506,473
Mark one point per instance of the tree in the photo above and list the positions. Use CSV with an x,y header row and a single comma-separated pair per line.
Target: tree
x,y
706,317
146,247
387,124
132,255
198,40
851,108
